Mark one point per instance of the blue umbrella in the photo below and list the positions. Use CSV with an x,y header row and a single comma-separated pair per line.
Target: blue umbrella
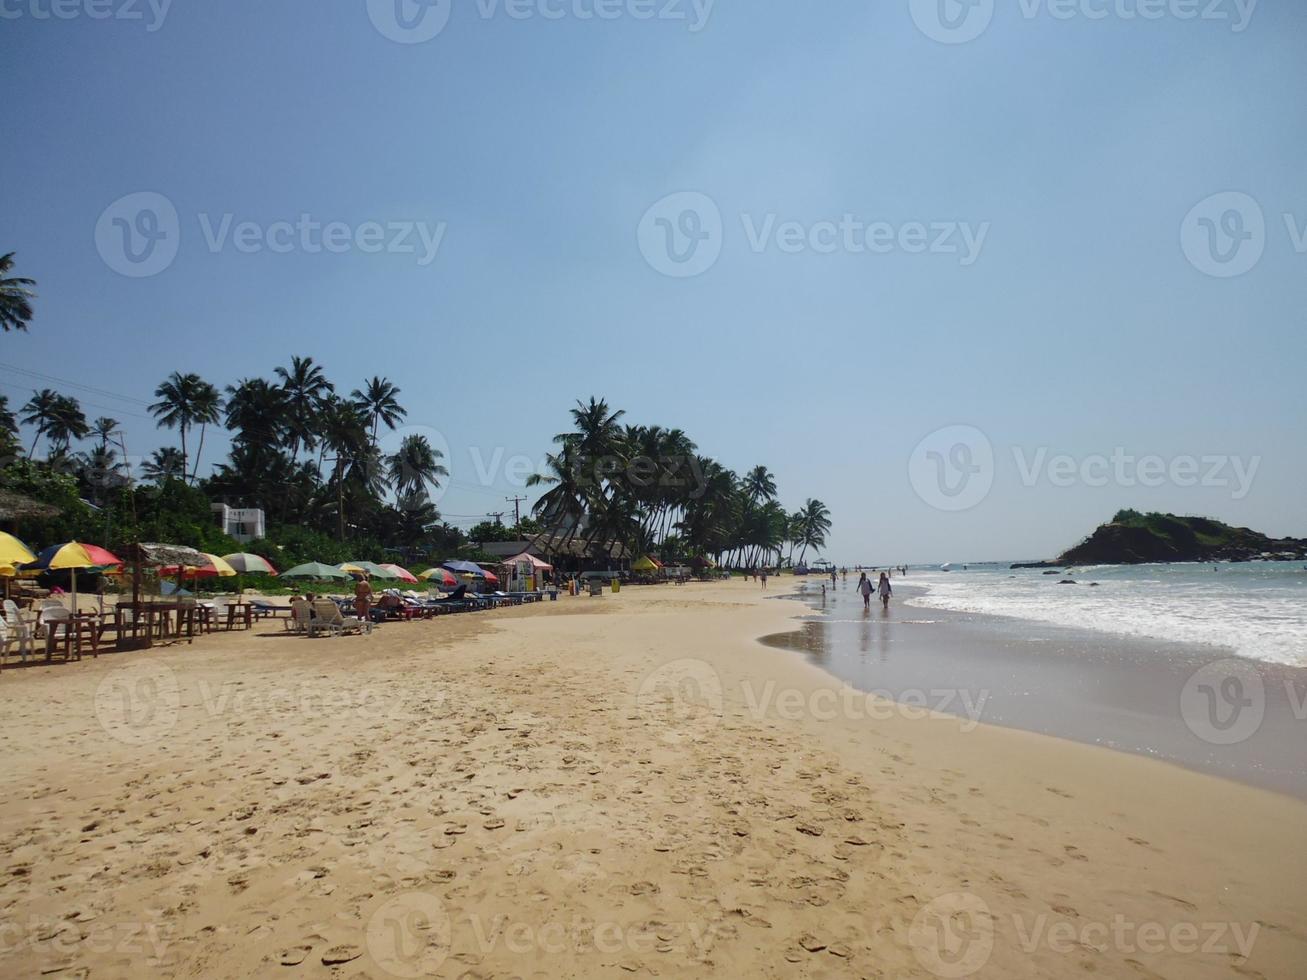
x,y
465,568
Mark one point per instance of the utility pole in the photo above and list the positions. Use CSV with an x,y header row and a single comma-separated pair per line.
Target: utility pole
x,y
517,508
499,518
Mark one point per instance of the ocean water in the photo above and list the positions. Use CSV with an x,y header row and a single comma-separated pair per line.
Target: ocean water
x,y
1256,609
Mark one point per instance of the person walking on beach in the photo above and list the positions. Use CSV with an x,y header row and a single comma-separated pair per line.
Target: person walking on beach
x,y
363,598
763,576
864,586
832,577
885,589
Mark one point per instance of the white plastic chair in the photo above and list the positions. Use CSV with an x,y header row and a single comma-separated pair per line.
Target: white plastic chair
x,y
15,630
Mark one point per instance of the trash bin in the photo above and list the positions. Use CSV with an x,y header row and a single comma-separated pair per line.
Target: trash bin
x,y
617,586
596,587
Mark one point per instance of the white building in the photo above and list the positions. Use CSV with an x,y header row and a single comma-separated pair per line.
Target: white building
x,y
243,524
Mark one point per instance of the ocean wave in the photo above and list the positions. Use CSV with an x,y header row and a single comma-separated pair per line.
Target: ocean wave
x,y
1258,619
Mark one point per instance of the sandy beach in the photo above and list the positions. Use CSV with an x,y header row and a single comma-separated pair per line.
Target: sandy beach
x,y
631,785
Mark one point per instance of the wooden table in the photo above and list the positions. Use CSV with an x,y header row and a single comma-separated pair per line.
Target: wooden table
x,y
74,628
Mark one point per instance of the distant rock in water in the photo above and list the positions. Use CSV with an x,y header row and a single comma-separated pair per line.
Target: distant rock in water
x,y
1132,538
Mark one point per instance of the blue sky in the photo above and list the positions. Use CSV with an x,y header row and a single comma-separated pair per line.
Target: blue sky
x,y
1079,326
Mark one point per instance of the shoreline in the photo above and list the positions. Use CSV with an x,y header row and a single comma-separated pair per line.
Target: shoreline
x,y
1127,694
628,762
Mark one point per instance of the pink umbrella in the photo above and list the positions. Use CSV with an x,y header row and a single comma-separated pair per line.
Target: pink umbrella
x,y
404,574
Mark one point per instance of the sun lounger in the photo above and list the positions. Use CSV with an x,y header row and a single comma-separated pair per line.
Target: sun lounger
x,y
329,619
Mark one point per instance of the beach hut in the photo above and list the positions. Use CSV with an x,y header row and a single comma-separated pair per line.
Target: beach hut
x,y
526,572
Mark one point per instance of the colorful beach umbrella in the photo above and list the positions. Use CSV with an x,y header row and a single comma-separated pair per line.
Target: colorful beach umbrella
x,y
440,576
315,569
371,567
72,557
471,569
401,573
214,567
250,564
13,551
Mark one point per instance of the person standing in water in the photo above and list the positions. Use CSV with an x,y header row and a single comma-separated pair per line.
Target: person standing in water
x,y
864,586
832,577
885,590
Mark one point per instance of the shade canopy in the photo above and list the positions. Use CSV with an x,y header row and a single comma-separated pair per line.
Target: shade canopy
x,y
208,566
371,567
646,564
440,576
315,569
250,564
73,555
13,551
403,574
535,562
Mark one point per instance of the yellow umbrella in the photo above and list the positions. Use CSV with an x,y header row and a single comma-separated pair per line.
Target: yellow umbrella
x,y
13,551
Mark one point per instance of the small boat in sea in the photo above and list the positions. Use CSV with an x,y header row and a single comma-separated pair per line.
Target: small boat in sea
x,y
946,567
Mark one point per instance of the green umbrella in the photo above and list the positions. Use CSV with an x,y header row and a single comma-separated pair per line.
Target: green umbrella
x,y
372,568
315,569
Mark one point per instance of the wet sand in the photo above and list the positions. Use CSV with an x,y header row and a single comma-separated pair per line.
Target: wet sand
x,y
630,785
1199,707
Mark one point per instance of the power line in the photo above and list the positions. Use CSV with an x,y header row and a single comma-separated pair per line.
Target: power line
x,y
105,393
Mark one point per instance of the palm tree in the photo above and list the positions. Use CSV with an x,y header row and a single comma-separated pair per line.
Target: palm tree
x,y
175,408
40,411
206,404
8,429
307,389
168,463
759,484
68,423
102,429
813,524
380,399
256,412
15,297
416,464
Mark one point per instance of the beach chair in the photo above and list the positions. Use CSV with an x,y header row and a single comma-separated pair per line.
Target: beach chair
x,y
16,631
301,614
329,619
